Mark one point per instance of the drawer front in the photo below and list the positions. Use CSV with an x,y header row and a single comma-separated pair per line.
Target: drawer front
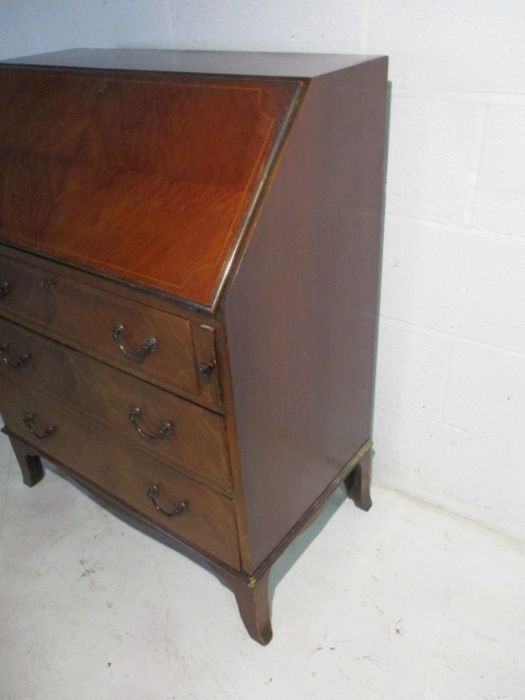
x,y
146,342
171,429
208,519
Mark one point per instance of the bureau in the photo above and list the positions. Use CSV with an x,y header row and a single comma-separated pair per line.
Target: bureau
x,y
189,260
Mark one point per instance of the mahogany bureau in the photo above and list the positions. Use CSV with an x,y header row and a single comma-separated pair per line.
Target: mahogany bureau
x,y
189,255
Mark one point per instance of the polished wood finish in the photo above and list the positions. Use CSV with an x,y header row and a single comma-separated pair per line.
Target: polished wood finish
x,y
253,604
254,607
302,345
84,316
239,63
118,468
196,442
79,173
224,210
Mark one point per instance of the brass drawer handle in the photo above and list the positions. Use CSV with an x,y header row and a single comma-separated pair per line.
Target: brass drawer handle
x,y
5,288
22,360
118,333
205,369
152,491
48,431
164,430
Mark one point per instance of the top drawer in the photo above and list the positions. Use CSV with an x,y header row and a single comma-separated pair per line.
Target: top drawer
x,y
159,347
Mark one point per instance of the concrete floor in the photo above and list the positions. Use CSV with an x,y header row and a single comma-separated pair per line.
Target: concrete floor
x,y
404,602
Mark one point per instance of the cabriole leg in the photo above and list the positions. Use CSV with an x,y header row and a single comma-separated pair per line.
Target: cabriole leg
x,y
254,606
357,483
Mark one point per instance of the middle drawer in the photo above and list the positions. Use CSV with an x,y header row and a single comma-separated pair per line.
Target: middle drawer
x,y
174,430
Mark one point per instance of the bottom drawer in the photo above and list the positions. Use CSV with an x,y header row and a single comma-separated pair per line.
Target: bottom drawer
x,y
206,518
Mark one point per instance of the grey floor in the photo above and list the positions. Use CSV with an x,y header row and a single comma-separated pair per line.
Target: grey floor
x,y
404,602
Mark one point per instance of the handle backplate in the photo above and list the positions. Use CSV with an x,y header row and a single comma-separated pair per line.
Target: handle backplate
x,y
149,345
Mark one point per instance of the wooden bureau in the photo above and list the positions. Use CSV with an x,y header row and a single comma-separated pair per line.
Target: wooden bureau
x,y
189,260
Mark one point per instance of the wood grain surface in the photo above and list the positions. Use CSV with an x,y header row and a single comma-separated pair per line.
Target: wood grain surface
x,y
196,441
124,472
230,206
146,177
83,316
301,312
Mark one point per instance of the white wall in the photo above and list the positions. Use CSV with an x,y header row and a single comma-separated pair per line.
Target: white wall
x,y
450,408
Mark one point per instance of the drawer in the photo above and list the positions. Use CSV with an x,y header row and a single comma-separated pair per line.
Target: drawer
x,y
170,428
148,343
82,445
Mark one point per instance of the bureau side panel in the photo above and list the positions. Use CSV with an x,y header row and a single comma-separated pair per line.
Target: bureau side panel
x,y
301,311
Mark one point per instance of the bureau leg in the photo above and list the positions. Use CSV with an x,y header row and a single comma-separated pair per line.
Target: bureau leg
x,y
30,463
357,483
254,606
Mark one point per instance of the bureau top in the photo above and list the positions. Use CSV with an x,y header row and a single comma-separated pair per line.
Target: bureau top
x,y
147,166
246,63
